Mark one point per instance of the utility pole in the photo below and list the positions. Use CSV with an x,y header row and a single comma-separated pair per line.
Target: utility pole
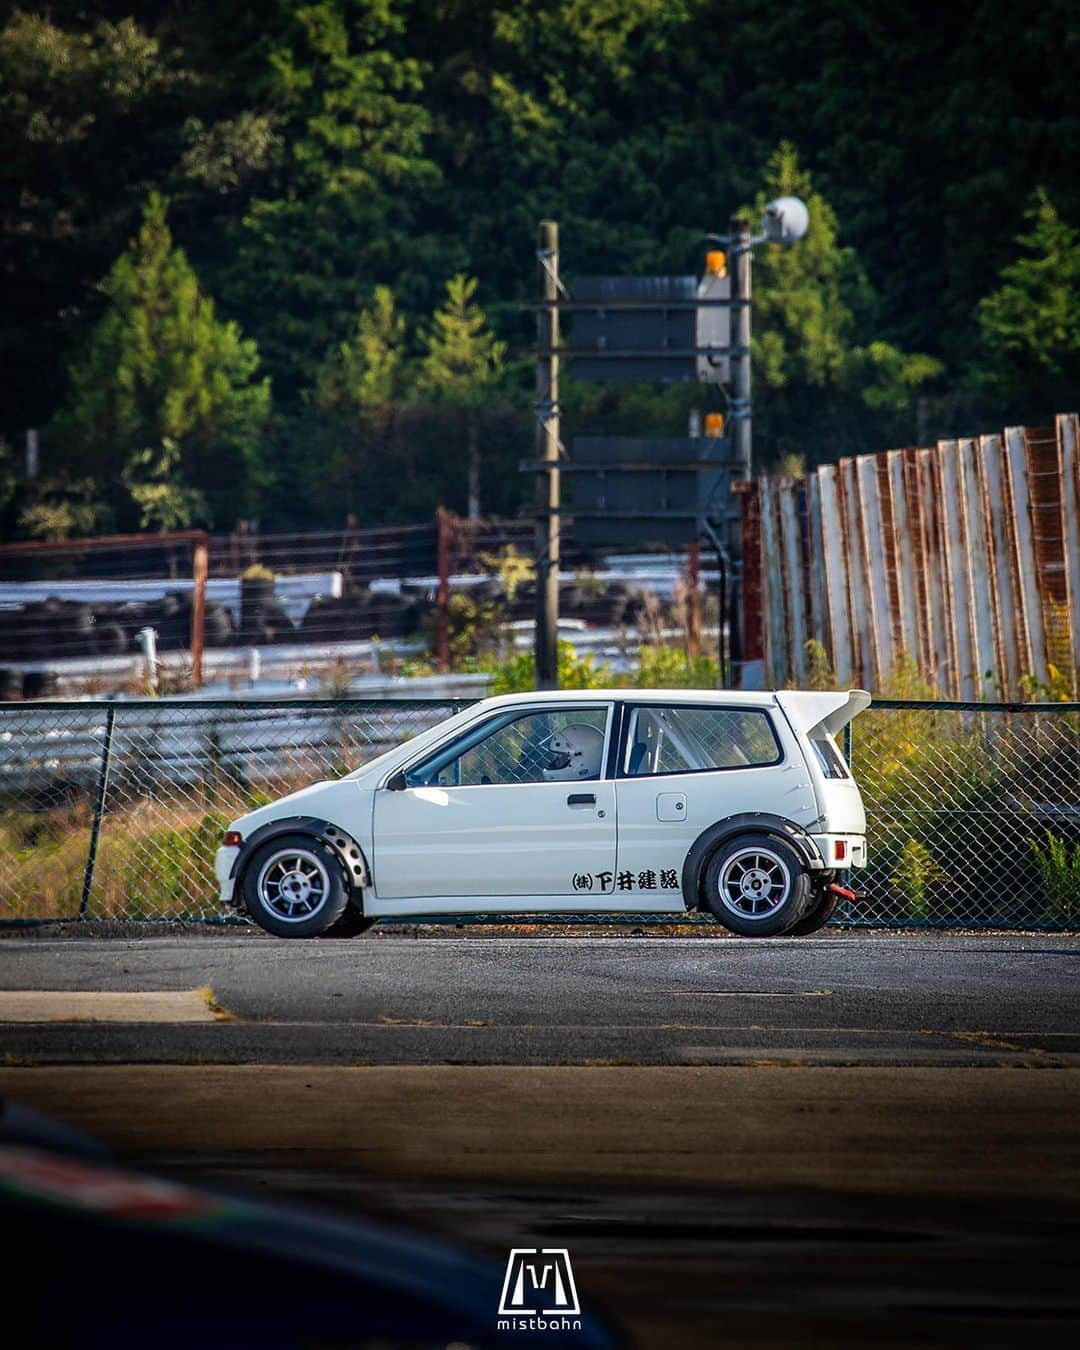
x,y
739,248
547,451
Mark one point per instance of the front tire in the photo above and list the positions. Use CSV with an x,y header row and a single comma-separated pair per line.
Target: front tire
x,y
295,887
757,885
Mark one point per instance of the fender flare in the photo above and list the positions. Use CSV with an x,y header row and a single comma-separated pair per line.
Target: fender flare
x,y
747,822
347,849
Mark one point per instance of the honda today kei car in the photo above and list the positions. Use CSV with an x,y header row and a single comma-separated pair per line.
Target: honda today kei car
x,y
739,804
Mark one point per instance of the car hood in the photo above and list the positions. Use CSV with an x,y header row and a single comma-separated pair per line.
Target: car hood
x,y
302,803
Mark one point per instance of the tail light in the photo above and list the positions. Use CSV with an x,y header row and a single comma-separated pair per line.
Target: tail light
x,y
840,850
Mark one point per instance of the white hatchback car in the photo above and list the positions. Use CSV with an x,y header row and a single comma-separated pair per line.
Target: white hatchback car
x,y
624,801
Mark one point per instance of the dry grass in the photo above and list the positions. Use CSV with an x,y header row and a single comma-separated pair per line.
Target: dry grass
x,y
154,861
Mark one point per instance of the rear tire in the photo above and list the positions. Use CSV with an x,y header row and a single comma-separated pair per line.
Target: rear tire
x,y
351,924
817,916
756,885
295,887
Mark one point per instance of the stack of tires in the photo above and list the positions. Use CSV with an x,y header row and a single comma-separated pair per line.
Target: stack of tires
x,y
11,684
616,604
170,617
359,615
47,629
262,616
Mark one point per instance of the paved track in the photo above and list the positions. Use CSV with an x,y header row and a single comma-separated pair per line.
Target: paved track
x,y
845,998
849,1140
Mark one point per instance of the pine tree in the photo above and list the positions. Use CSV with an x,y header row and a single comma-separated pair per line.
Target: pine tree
x,y
461,367
1031,324
165,382
354,402
362,374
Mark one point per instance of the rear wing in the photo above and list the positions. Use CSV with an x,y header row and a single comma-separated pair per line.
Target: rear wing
x,y
825,712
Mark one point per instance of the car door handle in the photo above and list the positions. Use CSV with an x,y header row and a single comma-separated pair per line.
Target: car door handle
x,y
581,799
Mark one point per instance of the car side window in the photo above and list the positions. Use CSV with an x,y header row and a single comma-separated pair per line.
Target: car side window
x,y
547,746
664,740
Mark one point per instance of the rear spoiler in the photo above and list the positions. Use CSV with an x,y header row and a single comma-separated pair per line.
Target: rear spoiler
x,y
810,711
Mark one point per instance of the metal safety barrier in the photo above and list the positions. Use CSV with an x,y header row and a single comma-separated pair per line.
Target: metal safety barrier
x,y
113,810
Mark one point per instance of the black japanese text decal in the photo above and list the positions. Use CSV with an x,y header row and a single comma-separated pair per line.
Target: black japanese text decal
x,y
666,879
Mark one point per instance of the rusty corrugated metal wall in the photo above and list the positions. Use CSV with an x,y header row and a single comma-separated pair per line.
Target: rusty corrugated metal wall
x,y
963,560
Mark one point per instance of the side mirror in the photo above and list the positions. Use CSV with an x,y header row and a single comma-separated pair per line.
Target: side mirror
x,y
396,782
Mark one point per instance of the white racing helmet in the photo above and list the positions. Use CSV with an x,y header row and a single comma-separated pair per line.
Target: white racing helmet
x,y
575,753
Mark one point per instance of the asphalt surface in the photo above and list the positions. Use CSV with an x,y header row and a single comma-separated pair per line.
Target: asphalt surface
x,y
850,998
853,1139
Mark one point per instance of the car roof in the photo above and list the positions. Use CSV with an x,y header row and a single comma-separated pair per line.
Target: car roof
x,y
744,698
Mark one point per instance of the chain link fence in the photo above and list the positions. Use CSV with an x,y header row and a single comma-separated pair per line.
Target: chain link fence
x,y
973,814
113,811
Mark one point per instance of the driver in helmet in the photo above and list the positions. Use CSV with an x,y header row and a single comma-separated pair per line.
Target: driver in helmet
x,y
575,754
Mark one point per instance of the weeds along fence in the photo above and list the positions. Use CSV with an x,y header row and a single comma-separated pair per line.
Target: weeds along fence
x,y
113,811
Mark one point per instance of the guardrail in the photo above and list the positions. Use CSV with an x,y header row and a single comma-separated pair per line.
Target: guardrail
x,y
113,810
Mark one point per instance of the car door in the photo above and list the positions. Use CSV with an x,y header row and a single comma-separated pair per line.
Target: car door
x,y
682,767
495,820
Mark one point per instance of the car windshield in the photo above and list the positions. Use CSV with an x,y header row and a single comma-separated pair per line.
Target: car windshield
x,y
544,745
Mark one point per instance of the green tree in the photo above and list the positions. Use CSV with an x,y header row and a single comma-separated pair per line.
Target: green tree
x,y
87,122
334,211
462,365
150,476
356,390
362,375
161,370
314,149
1030,326
63,506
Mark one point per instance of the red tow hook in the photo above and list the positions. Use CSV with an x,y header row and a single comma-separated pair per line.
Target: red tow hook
x,y
841,891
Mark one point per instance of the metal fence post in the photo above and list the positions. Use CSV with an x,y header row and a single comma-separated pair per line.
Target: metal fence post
x,y
99,810
845,875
